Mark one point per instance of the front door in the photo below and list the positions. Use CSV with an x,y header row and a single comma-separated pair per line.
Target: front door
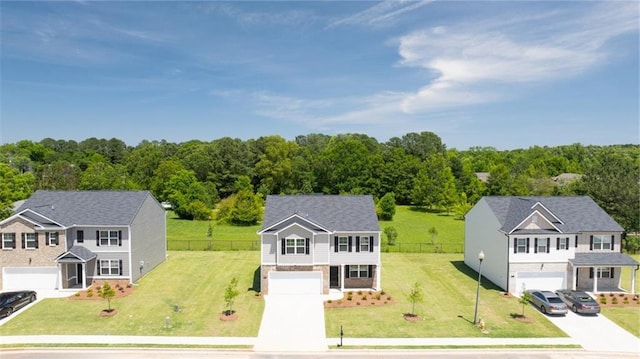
x,y
79,273
334,277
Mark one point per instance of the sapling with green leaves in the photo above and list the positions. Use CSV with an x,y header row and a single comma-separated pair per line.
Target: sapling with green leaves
x,y
415,296
230,294
106,292
525,298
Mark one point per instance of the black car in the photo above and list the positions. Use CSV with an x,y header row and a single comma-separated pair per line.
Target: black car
x,y
12,301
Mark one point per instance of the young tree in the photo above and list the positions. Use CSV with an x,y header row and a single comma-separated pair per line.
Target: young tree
x,y
415,296
391,234
230,294
525,298
106,292
387,207
434,233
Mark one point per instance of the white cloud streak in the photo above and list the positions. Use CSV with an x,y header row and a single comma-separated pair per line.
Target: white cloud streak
x,y
382,13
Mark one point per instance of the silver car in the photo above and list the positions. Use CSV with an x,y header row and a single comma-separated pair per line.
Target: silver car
x,y
548,302
579,302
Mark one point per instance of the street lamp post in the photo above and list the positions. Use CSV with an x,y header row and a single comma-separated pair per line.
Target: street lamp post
x,y
475,314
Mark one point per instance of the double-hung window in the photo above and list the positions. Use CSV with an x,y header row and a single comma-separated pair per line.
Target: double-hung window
x,y
359,271
52,238
30,241
601,242
364,244
295,245
542,245
563,243
343,244
8,240
108,238
109,267
521,245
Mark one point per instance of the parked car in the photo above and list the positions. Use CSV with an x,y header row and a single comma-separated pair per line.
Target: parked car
x,y
12,301
578,301
548,302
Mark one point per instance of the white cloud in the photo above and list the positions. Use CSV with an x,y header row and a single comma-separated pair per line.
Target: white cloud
x,y
381,13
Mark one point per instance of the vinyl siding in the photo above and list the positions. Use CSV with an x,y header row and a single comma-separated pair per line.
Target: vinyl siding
x,y
148,238
355,257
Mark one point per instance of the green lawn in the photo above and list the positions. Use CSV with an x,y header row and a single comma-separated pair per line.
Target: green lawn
x,y
448,308
628,318
181,229
413,227
195,281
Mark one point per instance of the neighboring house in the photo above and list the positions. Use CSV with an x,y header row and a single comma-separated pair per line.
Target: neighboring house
x,y
546,243
310,243
68,239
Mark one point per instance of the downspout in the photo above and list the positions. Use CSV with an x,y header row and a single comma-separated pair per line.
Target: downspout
x,y
508,262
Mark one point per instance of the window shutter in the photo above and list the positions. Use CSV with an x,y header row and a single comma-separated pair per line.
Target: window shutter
x,y
576,244
591,272
548,244
371,271
335,247
306,246
120,238
557,244
612,268
357,243
535,245
527,245
37,240
591,243
515,245
46,239
98,238
371,244
567,248
13,242
23,246
350,244
120,266
346,269
282,245
613,240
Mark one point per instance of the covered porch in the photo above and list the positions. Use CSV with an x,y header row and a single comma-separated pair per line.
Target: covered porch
x,y
601,272
75,266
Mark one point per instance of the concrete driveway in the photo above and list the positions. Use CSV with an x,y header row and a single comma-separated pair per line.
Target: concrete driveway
x,y
597,333
292,322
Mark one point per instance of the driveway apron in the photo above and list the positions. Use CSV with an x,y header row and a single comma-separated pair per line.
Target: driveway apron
x,y
292,322
597,333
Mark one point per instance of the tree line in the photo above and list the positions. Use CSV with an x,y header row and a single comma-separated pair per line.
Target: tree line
x,y
416,169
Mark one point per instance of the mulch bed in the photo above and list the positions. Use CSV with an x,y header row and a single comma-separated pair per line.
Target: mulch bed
x,y
361,299
522,318
107,313
412,317
122,288
622,299
228,318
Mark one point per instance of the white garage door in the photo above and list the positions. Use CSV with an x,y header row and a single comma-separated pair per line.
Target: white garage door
x,y
29,278
540,280
295,282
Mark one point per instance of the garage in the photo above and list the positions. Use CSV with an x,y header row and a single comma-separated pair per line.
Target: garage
x,y
295,282
540,280
29,278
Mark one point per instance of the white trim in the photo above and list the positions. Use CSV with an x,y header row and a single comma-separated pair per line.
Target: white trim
x,y
531,215
547,209
295,215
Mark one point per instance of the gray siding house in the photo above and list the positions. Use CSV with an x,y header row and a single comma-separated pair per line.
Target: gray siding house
x,y
311,243
68,239
546,243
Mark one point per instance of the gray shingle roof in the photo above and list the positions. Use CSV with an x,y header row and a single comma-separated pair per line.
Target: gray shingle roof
x,y
578,214
79,252
86,208
333,212
613,259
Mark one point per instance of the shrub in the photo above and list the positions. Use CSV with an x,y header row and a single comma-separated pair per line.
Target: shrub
x,y
378,296
382,292
626,301
329,301
373,303
614,301
364,297
340,301
357,303
359,292
603,300
77,294
392,235
349,296
389,298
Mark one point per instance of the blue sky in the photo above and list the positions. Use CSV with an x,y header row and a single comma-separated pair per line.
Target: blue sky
x,y
502,74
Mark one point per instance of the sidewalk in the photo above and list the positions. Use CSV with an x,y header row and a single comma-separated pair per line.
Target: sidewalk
x,y
250,341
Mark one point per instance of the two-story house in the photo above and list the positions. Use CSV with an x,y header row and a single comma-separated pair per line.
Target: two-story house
x,y
67,239
310,243
546,243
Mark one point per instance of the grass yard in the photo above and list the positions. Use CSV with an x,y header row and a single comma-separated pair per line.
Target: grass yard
x,y
627,317
413,227
449,298
180,229
195,281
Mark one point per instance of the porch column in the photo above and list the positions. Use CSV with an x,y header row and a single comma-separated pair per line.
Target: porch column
x,y
84,275
378,276
59,277
575,278
342,277
633,279
595,279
